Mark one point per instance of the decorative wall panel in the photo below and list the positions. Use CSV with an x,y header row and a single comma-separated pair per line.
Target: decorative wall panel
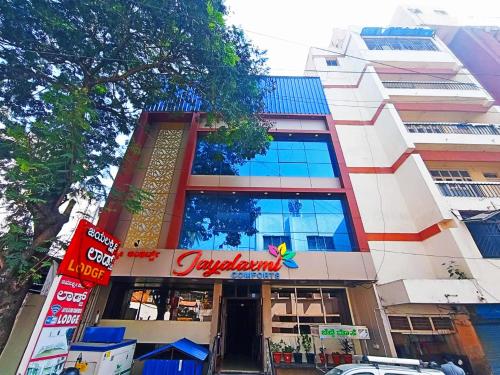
x,y
146,225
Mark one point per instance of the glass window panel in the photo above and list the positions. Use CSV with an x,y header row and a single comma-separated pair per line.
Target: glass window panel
x,y
231,241
294,170
243,170
295,206
270,223
292,156
303,223
316,145
270,157
264,169
269,205
290,145
331,223
233,202
299,241
328,206
318,156
240,221
342,242
196,241
321,170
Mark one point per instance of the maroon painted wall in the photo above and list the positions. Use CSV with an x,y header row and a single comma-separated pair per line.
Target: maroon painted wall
x,y
479,51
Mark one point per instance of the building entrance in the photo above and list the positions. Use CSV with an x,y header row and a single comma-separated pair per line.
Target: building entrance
x,y
241,328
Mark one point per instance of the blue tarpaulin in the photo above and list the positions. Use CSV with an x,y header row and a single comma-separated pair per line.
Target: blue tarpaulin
x,y
185,346
397,31
172,367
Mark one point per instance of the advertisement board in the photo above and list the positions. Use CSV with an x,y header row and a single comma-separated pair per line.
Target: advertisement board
x,y
90,255
343,331
62,316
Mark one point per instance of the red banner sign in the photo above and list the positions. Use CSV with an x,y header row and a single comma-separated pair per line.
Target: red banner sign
x,y
61,319
90,254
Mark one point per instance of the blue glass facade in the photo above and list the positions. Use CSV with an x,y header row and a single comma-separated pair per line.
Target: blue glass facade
x,y
297,156
252,221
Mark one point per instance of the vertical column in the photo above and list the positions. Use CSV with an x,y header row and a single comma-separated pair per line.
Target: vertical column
x,y
266,311
217,295
367,311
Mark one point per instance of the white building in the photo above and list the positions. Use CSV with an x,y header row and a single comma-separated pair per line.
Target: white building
x,y
421,139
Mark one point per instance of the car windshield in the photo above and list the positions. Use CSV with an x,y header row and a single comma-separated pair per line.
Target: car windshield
x,y
335,371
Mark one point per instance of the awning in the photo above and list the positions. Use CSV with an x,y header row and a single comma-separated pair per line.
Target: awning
x,y
185,346
482,216
475,216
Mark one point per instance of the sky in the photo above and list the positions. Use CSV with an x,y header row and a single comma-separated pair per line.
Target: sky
x,y
286,29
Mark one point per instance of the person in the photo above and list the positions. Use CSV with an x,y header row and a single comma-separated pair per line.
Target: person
x,y
449,368
70,371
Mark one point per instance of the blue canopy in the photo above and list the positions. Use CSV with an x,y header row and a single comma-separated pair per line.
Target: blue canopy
x,y
185,346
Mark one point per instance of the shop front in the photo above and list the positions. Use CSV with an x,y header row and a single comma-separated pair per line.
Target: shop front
x,y
244,302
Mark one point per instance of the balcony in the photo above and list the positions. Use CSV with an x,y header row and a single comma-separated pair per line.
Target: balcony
x,y
469,189
430,85
437,95
452,128
412,53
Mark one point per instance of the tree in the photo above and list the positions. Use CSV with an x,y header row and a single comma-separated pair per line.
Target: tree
x,y
74,75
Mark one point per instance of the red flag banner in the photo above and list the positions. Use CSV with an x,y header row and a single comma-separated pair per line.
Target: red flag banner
x,y
90,254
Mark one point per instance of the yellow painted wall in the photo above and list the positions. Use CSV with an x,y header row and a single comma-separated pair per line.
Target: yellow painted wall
x,y
475,169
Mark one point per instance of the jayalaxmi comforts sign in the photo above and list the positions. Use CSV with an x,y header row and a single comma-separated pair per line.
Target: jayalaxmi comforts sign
x,y
337,331
192,260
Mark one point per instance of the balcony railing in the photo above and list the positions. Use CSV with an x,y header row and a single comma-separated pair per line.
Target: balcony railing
x,y
452,128
430,85
469,189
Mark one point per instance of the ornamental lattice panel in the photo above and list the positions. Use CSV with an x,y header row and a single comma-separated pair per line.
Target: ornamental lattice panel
x,y
146,225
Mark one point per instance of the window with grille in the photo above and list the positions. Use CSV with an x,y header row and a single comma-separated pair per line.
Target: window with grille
x,y
413,44
486,235
420,323
442,323
399,323
332,62
491,176
450,175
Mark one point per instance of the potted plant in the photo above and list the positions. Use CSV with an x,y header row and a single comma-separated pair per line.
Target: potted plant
x,y
307,343
322,356
347,348
336,358
297,355
287,352
276,350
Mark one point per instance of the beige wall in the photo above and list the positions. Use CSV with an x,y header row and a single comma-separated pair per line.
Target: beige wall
x,y
312,265
161,331
21,333
368,312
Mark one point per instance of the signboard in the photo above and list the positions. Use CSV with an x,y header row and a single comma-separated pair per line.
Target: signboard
x,y
63,311
90,254
343,331
192,260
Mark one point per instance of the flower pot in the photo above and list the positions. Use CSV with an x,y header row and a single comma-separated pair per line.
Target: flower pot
x,y
346,358
287,357
322,358
297,357
310,358
277,357
336,359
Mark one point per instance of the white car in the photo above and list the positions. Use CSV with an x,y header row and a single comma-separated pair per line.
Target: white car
x,y
384,366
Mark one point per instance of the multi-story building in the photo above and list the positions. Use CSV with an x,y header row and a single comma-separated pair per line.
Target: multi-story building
x,y
421,141
244,250
476,45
